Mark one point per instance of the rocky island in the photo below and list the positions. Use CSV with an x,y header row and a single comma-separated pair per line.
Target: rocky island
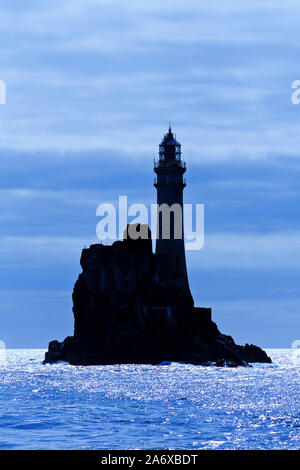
x,y
131,305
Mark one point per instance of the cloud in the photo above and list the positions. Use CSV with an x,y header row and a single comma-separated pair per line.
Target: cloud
x,y
56,194
221,250
235,250
110,75
91,87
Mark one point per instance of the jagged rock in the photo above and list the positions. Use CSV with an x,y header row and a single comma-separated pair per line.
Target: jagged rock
x,y
54,352
131,306
252,353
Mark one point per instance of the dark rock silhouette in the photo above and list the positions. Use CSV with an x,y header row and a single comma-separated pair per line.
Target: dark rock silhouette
x,y
127,310
133,306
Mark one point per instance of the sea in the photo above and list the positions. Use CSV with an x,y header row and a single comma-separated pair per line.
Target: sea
x,y
169,406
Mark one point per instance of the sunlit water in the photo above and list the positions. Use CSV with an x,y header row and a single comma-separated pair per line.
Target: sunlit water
x,y
174,406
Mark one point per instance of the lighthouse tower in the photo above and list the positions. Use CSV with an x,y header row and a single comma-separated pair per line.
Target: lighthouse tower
x,y
170,183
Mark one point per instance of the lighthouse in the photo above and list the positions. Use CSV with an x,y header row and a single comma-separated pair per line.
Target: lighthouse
x,y
170,183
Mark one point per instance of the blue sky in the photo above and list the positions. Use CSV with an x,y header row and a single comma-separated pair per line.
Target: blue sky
x,y
91,87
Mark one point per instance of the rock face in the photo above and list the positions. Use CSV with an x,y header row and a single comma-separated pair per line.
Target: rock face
x,y
130,307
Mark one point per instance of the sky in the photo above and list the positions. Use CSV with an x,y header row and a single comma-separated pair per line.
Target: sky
x,y
91,88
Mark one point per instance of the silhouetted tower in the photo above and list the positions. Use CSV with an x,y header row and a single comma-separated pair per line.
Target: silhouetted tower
x,y
170,184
